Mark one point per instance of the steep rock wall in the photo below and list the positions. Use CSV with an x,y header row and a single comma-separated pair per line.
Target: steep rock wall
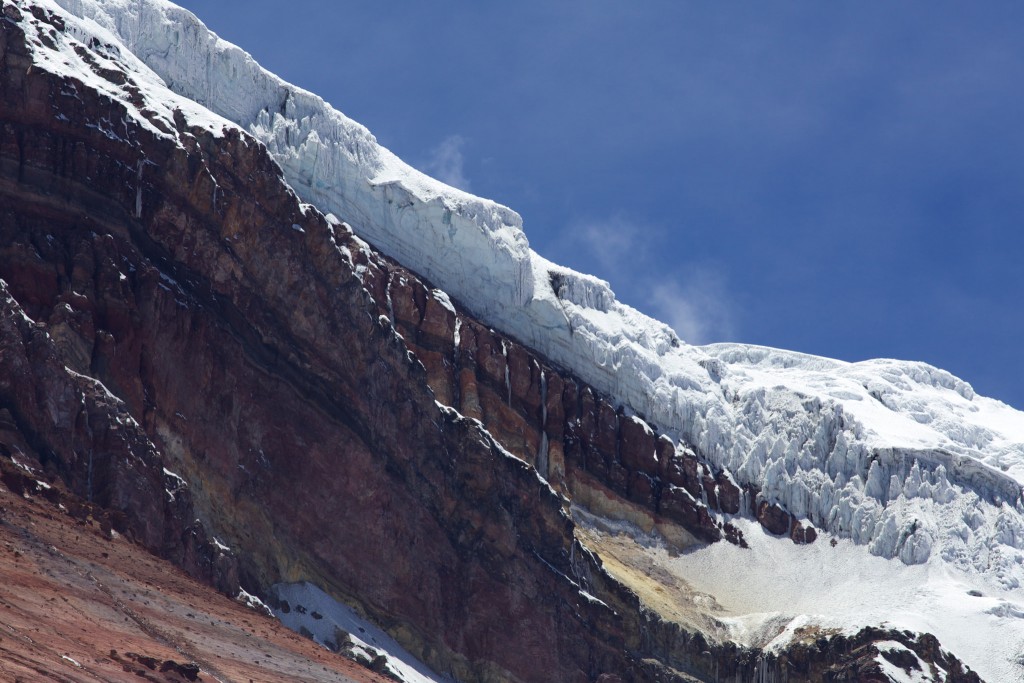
x,y
239,331
223,314
572,434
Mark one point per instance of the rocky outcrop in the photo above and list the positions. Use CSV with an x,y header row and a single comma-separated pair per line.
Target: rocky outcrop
x,y
864,657
572,434
74,429
184,340
776,520
83,603
229,324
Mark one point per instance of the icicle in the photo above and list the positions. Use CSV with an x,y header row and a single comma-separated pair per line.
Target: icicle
x,y
543,400
387,294
542,456
138,188
508,379
542,450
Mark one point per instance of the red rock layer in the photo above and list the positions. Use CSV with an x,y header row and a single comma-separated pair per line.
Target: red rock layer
x,y
81,603
248,357
170,308
572,434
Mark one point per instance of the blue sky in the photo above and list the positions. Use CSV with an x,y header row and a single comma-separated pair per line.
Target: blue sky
x,y
844,179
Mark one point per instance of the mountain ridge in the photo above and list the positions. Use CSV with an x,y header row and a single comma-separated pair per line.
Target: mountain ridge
x,y
470,247
300,227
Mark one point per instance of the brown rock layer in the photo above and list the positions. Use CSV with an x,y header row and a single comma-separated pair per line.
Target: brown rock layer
x,y
544,415
81,604
250,357
170,308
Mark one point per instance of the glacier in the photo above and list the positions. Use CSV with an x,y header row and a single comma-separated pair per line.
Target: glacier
x,y
901,458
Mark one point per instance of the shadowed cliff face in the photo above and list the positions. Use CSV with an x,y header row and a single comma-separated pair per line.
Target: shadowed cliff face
x,y
226,318
583,445
82,603
193,350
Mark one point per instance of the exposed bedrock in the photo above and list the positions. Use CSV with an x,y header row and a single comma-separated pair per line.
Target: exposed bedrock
x,y
56,423
573,435
183,339
235,338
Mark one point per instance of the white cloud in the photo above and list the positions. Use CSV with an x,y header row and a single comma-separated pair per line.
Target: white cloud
x,y
446,162
693,298
698,308
618,245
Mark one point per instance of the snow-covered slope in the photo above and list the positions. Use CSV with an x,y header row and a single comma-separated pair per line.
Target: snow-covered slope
x,y
901,458
303,606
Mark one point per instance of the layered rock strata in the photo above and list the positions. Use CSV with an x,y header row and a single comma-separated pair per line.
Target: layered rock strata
x,y
82,603
572,435
183,339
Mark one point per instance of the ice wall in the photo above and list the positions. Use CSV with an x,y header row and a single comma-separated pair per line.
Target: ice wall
x,y
901,457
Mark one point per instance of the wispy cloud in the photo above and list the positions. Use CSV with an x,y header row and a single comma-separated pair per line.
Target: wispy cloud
x,y
446,163
693,298
616,243
699,308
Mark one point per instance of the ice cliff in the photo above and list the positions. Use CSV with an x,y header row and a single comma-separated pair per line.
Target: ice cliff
x,y
901,457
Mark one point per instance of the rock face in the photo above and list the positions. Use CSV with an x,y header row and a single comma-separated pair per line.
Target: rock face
x,y
82,603
572,435
233,329
187,347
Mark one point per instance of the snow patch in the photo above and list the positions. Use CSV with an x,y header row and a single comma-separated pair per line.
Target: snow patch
x,y
252,602
777,587
71,661
443,299
914,673
305,608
